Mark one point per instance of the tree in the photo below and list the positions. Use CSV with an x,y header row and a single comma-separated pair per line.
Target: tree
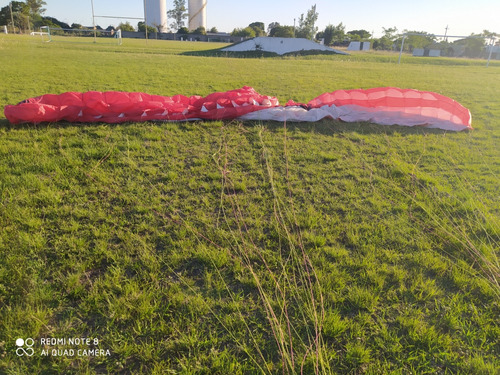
x,y
334,34
386,42
141,26
390,33
306,27
328,35
22,20
126,26
18,7
213,30
416,41
359,34
247,32
271,26
259,28
473,45
282,32
488,34
178,13
32,12
55,21
36,6
200,31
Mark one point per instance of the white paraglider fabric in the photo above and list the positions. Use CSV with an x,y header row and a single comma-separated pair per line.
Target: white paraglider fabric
x,y
430,118
292,113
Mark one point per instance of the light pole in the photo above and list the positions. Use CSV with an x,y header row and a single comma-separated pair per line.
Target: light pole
x,y
146,20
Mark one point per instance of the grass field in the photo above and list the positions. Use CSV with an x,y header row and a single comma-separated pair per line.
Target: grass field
x,y
247,248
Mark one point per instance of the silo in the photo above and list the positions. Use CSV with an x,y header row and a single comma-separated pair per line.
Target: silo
x,y
155,12
197,14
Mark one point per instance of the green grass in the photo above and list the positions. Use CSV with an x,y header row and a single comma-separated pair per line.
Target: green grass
x,y
228,247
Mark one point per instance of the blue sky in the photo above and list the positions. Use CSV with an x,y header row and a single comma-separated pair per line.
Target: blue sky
x,y
463,17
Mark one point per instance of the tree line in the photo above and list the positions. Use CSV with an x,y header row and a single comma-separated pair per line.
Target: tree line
x,y
336,35
23,16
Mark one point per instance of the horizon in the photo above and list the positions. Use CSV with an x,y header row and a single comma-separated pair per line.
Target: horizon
x,y
460,18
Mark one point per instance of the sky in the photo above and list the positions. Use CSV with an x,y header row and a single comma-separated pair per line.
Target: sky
x,y
462,17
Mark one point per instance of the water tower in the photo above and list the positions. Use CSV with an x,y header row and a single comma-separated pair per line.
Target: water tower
x,y
156,14
197,14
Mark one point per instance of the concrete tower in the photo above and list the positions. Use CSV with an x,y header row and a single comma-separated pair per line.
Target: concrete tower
x,y
197,14
156,14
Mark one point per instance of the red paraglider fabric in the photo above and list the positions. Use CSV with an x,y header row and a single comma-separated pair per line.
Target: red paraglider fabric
x,y
403,101
116,107
384,106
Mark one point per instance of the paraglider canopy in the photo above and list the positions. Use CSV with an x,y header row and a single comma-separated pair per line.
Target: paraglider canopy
x,y
385,106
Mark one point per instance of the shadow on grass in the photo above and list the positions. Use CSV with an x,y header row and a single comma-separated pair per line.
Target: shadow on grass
x,y
255,54
220,53
331,127
324,127
5,124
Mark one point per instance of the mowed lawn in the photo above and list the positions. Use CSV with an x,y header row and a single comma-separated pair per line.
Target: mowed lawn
x,y
247,248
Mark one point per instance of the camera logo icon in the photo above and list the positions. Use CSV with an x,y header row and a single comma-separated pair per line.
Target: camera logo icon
x,y
21,350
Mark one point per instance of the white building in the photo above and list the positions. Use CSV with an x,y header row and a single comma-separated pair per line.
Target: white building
x,y
197,14
155,12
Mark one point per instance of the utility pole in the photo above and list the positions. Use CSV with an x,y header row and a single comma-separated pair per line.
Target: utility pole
x,y
12,19
445,33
